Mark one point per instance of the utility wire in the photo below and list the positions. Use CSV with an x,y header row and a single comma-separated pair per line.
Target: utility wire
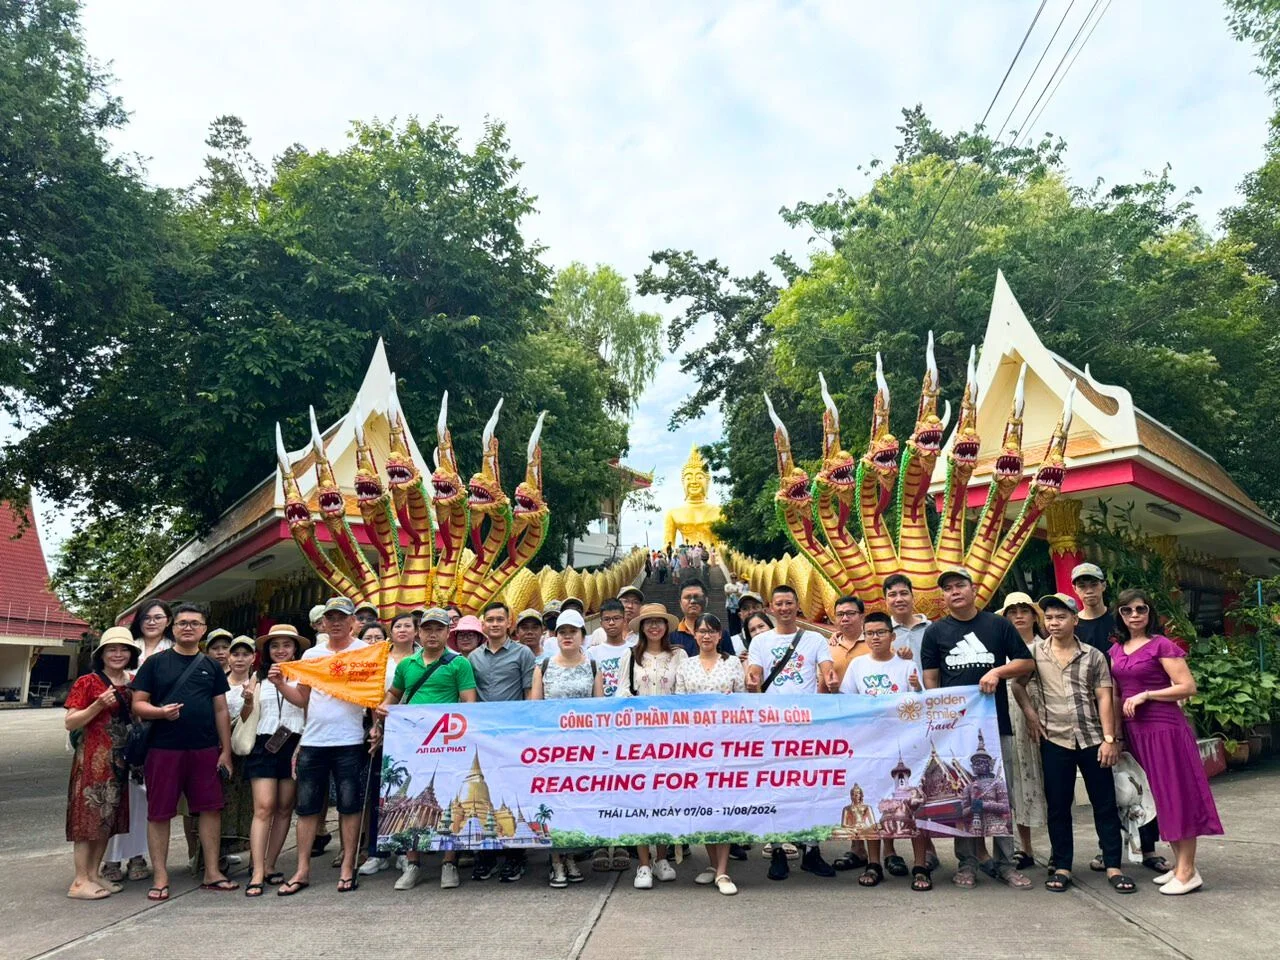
x,y
990,106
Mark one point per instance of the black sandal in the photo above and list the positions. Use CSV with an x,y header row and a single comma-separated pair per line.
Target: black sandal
x,y
1023,860
1096,864
896,866
848,861
1122,884
1058,883
274,879
347,884
921,879
1156,864
253,890
872,876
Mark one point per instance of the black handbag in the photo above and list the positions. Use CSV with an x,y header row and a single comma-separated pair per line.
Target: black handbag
x,y
138,741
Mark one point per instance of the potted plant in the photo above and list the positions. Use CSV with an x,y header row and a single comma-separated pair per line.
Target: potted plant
x,y
1233,695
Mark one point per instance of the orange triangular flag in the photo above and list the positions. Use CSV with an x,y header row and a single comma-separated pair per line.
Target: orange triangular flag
x,y
357,676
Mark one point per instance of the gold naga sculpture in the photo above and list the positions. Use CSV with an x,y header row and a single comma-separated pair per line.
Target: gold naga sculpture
x,y
859,521
439,542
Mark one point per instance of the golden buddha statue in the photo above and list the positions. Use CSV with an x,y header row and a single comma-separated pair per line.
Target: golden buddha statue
x,y
692,520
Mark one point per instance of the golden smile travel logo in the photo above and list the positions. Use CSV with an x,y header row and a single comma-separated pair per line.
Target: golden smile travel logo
x,y
909,710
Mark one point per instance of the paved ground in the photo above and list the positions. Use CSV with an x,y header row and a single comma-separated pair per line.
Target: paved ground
x,y
1234,915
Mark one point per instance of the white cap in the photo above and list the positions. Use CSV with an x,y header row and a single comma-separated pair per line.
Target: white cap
x,y
571,618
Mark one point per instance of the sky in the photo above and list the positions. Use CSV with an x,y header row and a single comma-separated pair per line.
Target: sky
x,y
689,124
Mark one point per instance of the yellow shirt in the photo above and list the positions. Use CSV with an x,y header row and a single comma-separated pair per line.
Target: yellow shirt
x,y
843,652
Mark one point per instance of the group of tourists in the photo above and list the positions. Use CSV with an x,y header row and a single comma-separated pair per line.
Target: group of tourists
x,y
1075,684
689,560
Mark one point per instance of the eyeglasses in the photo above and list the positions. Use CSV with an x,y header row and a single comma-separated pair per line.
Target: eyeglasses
x,y
154,618
696,601
188,624
876,634
1137,610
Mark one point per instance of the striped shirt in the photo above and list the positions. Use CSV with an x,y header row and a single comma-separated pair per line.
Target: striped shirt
x,y
1065,696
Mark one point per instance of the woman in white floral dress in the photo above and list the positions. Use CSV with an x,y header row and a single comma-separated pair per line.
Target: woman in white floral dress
x,y
654,666
712,671
1027,790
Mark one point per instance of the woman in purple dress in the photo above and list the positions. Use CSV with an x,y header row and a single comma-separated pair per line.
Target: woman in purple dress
x,y
1151,676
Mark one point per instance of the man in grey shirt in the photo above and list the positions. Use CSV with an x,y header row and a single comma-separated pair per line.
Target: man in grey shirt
x,y
504,671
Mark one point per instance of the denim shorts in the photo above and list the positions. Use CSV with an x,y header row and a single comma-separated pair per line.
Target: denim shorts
x,y
346,765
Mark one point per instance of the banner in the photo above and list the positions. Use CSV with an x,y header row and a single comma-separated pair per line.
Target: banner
x,y
700,768
358,676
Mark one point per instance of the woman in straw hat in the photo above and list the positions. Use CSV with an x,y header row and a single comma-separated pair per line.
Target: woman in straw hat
x,y
98,717
269,767
1027,790
654,666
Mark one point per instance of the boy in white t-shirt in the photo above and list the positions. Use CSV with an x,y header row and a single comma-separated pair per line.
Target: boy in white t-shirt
x,y
612,655
883,672
880,672
799,675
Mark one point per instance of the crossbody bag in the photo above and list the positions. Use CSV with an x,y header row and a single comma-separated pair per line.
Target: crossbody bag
x,y
445,657
782,663
138,741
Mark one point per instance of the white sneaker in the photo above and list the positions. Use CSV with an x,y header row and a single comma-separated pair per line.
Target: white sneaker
x,y
374,865
706,877
558,878
726,886
1176,887
571,871
1163,878
791,850
408,878
644,879
448,876
663,870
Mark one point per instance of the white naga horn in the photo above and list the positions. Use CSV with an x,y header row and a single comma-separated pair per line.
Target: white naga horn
x,y
442,426
777,423
317,441
882,385
536,435
491,426
931,362
946,414
826,399
1067,405
971,375
282,455
357,417
1020,393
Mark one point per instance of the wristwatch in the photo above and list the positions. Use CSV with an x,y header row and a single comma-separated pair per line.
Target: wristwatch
x,y
1108,738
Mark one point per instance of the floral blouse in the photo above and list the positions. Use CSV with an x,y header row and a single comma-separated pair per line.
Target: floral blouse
x,y
655,674
727,676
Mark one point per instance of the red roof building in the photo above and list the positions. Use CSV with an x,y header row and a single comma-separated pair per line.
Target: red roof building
x,y
39,639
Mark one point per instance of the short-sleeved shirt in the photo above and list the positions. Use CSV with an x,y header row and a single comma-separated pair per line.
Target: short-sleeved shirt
x,y
726,676
1097,632
963,651
844,652
800,675
196,727
910,637
446,683
686,641
1065,697
613,663
504,674
332,722
871,677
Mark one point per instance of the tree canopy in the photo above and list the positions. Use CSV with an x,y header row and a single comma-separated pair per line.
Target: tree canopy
x,y
1122,277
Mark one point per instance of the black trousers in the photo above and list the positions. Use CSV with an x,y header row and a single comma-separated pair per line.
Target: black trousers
x,y
1060,766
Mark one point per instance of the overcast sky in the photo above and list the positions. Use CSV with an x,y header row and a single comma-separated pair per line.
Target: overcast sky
x,y
686,125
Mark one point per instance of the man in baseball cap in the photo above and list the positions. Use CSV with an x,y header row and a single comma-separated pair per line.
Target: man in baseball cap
x,y
1097,623
529,630
954,573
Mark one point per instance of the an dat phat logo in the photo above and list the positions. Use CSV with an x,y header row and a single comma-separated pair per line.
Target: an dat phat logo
x,y
450,727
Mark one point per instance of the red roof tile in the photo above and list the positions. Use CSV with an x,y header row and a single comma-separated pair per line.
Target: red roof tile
x,y
28,607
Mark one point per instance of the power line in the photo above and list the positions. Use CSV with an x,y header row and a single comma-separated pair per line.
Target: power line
x,y
951,179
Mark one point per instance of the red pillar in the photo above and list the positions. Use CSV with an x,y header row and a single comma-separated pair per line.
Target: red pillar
x,y
1062,519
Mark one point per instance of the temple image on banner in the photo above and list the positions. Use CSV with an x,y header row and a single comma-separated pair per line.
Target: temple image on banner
x,y
469,821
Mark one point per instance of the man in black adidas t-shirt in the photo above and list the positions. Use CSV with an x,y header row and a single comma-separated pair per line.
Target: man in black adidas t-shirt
x,y
970,647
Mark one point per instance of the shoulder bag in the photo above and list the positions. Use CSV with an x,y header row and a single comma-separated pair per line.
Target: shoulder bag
x,y
138,741
445,657
782,662
244,732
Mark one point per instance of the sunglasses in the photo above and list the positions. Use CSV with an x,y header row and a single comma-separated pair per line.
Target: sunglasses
x,y
1137,610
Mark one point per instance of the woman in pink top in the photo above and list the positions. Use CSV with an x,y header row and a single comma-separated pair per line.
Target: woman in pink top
x,y
1151,676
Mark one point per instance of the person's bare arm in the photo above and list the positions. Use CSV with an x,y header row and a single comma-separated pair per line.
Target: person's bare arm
x,y
1108,753
932,679
222,720
467,696
144,709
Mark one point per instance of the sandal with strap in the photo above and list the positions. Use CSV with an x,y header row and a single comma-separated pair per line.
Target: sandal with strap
x,y
1058,883
1122,884
921,879
1023,860
253,890
896,866
872,876
1096,864
849,861
1156,864
274,879
966,877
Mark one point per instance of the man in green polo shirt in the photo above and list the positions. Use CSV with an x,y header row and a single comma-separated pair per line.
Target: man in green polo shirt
x,y
432,675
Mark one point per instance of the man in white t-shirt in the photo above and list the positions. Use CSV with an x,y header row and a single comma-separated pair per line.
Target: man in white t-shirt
x,y
804,656
332,744
612,656
908,626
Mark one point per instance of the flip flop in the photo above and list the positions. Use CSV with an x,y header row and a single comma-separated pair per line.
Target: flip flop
x,y
253,890
347,884
292,887
221,886
158,894
274,879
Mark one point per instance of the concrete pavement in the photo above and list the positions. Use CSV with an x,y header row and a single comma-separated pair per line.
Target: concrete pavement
x,y
605,918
